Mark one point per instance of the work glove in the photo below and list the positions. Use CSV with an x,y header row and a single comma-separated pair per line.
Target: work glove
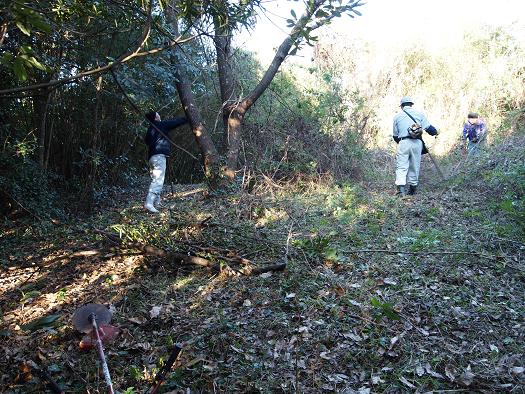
x,y
397,139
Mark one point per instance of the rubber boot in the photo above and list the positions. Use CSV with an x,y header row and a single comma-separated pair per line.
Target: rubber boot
x,y
412,189
401,191
150,198
157,202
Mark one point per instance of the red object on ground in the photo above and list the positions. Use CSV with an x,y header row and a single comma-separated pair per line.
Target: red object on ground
x,y
107,333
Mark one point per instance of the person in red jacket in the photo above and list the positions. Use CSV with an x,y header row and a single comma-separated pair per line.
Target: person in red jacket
x,y
159,147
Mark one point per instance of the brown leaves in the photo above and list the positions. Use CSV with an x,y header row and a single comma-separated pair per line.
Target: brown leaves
x,y
24,373
311,330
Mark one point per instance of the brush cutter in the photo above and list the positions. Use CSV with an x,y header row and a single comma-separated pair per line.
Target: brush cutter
x,y
86,319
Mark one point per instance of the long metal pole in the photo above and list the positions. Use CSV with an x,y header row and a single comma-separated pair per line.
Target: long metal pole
x,y
101,355
433,161
436,165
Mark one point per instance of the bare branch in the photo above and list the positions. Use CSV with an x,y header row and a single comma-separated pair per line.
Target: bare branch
x,y
279,57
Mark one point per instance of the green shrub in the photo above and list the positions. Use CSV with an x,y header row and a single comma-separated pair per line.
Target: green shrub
x,y
513,203
24,183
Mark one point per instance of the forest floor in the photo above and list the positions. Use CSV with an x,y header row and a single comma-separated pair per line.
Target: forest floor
x,y
380,294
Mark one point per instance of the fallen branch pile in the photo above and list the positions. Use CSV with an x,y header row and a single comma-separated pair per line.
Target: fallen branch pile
x,y
222,259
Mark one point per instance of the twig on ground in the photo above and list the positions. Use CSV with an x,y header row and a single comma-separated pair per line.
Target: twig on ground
x,y
481,255
510,241
388,251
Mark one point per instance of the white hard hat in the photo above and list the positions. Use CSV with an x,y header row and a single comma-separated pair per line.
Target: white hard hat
x,y
407,100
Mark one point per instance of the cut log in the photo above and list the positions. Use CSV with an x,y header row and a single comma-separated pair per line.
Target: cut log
x,y
253,270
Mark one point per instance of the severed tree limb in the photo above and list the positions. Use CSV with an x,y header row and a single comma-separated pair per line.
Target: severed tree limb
x,y
252,270
187,259
150,250
176,257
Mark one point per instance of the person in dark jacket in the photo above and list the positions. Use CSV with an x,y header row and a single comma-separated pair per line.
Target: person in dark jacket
x,y
159,147
474,131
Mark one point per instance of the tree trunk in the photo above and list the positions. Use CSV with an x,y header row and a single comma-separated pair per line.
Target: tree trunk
x,y
183,85
203,138
42,104
235,119
49,141
237,112
227,79
233,108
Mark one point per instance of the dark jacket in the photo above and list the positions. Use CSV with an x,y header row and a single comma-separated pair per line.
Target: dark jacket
x,y
157,143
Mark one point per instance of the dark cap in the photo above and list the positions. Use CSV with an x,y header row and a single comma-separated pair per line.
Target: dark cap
x,y
473,115
151,116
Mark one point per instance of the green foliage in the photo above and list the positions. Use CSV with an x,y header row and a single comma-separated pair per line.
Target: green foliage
x,y
473,213
295,120
83,137
27,19
443,84
315,246
343,205
89,133
320,247
29,295
322,14
136,373
384,309
22,62
226,14
512,203
421,240
43,322
136,232
61,295
24,181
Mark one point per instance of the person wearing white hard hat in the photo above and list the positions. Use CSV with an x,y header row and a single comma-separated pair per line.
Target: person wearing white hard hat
x,y
409,125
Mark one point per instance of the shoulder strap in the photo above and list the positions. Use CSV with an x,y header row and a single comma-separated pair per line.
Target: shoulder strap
x,y
411,117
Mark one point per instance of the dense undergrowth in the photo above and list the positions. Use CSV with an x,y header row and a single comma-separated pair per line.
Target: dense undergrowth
x,y
380,294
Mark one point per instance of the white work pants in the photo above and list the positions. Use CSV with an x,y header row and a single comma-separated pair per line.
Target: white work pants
x,y
408,161
157,170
